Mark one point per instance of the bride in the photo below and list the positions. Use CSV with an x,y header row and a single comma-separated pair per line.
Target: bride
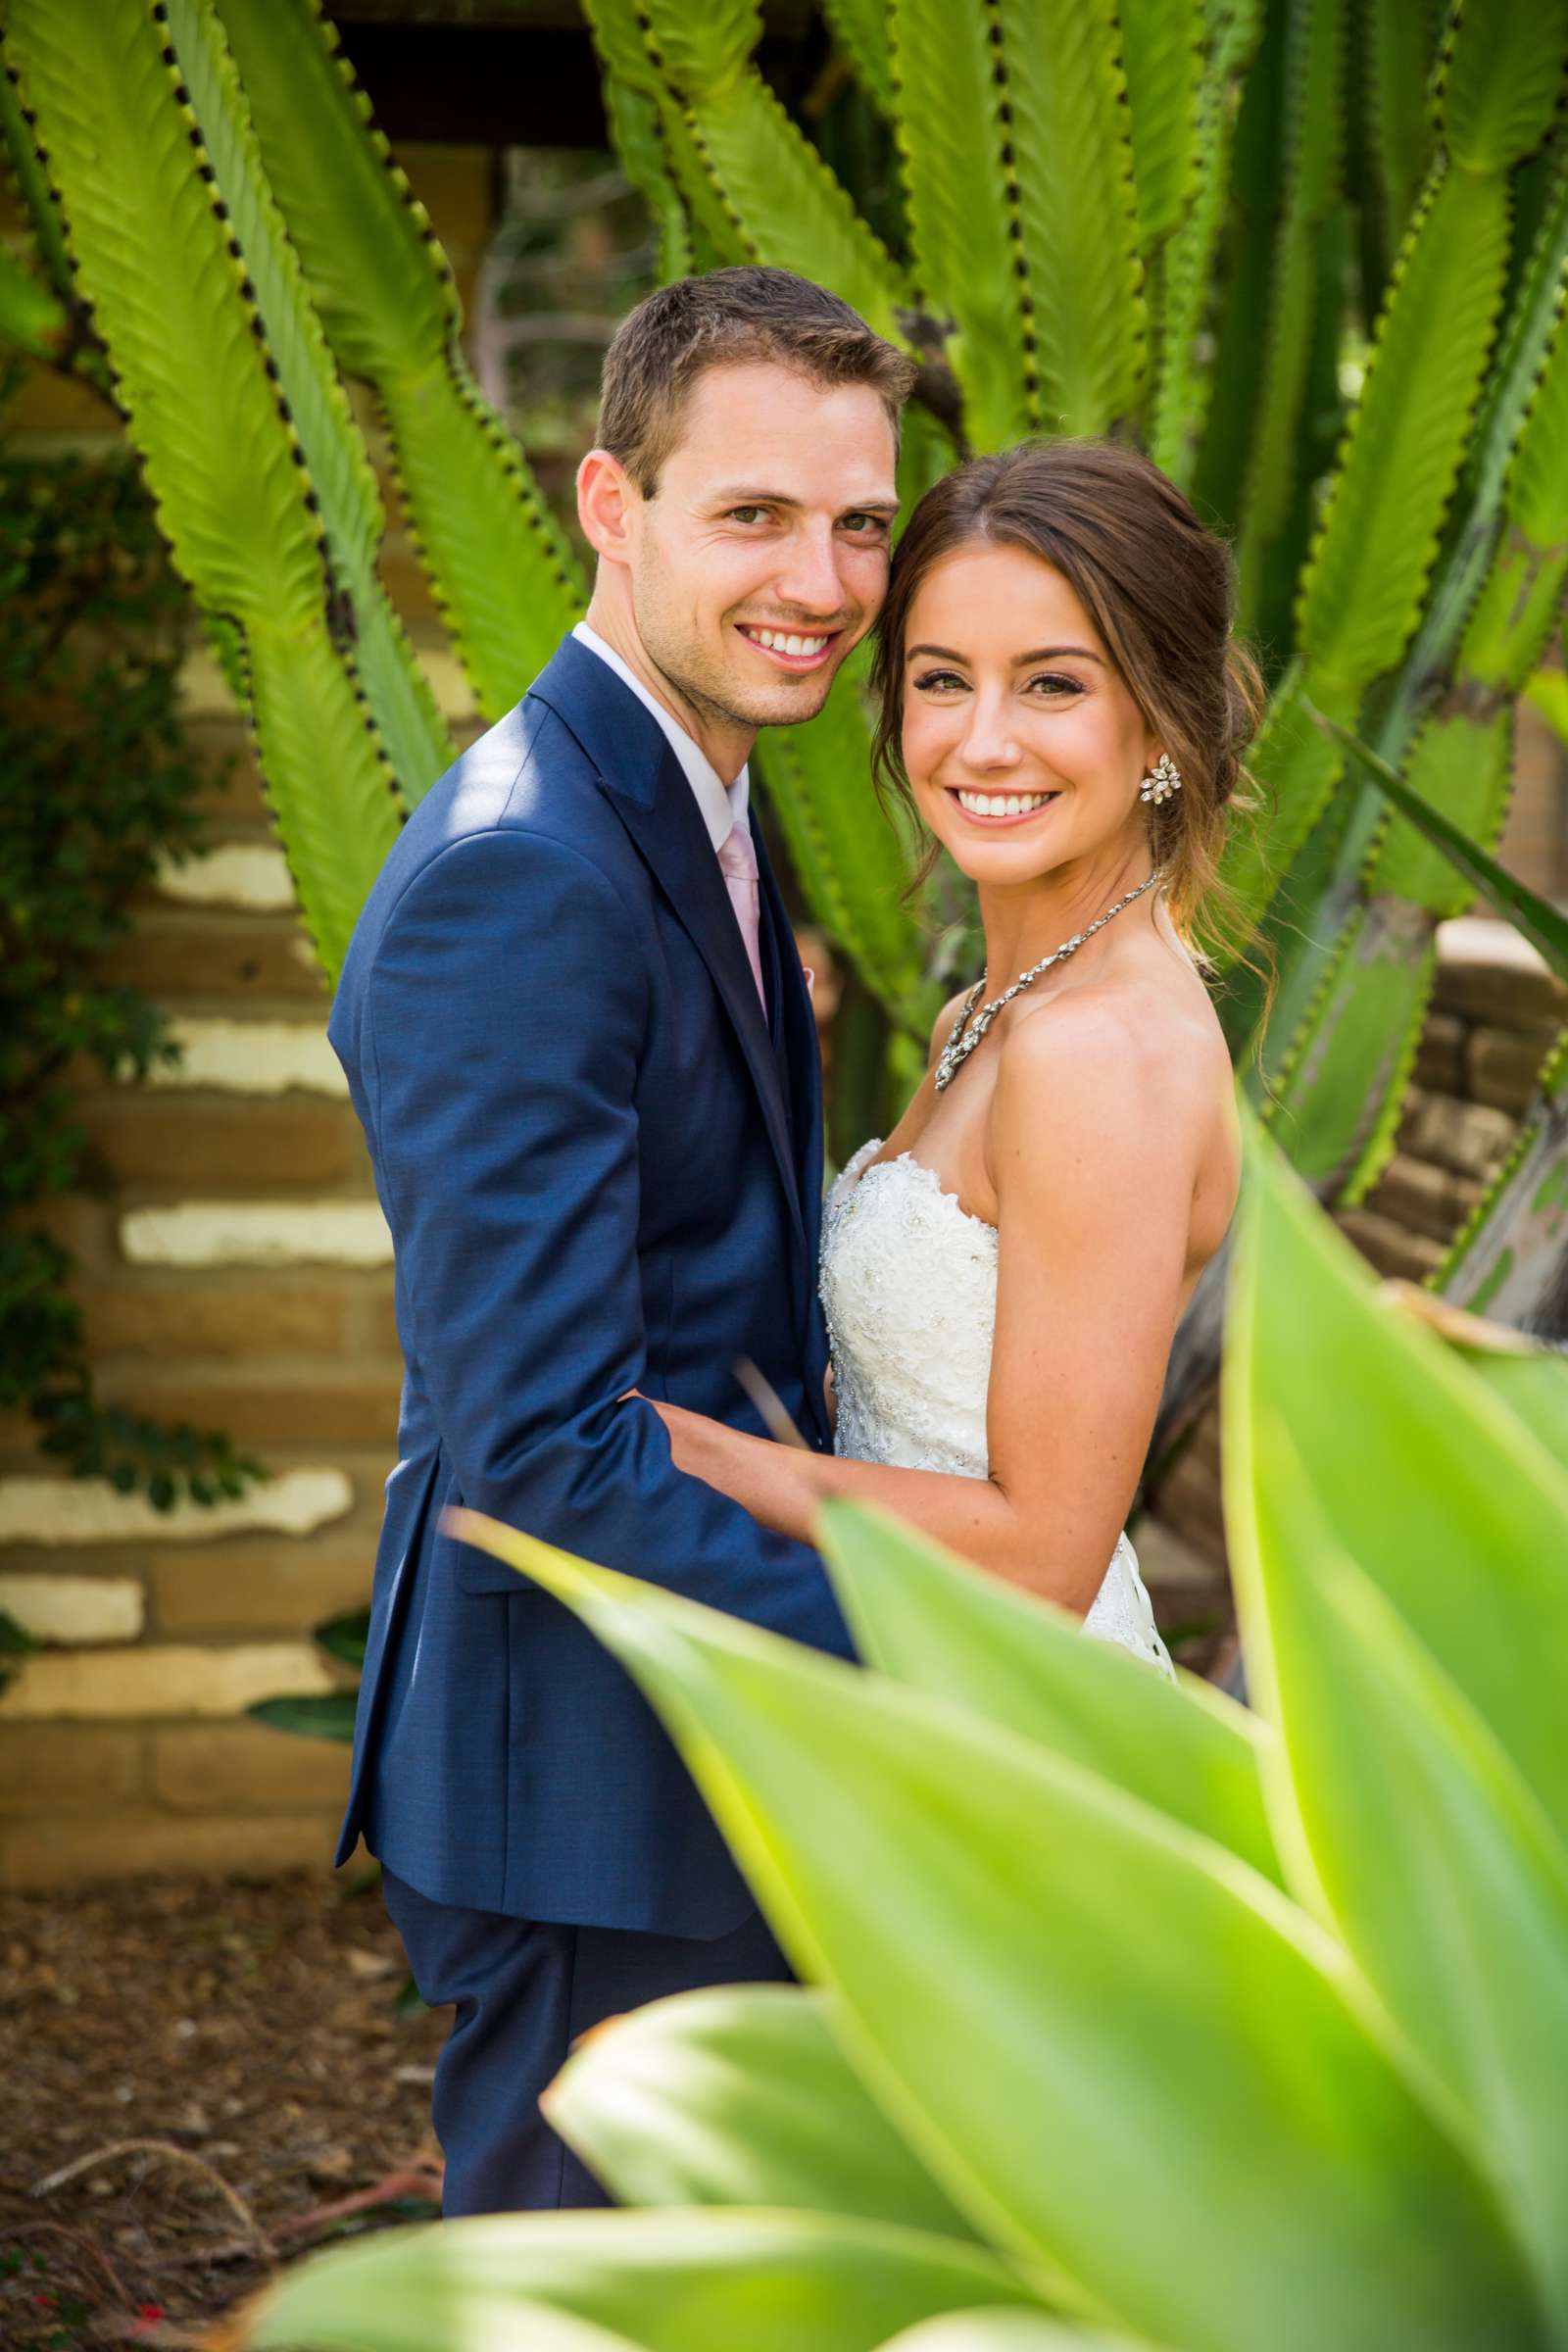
x,y
1063,709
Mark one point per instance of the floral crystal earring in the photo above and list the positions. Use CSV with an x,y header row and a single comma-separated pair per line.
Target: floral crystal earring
x,y
1161,780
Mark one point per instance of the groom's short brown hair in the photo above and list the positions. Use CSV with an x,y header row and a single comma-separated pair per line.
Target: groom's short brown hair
x,y
724,320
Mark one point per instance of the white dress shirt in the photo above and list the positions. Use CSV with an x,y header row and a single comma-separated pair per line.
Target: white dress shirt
x,y
723,806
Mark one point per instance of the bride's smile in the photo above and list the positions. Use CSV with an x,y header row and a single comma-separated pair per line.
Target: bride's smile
x,y
1023,747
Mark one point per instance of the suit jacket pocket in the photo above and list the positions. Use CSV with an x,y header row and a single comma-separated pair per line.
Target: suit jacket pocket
x,y
470,1569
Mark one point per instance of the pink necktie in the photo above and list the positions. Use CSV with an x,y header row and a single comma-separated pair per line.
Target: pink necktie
x,y
737,862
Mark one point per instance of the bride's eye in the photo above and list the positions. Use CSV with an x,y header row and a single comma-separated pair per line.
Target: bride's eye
x,y
1070,686
937,677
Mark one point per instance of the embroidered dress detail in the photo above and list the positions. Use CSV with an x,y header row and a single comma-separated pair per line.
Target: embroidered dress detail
x,y
909,1283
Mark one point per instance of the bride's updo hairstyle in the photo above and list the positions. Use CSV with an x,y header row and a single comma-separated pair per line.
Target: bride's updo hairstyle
x,y
1157,587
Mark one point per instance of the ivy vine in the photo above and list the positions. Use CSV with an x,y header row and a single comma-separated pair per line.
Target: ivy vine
x,y
96,782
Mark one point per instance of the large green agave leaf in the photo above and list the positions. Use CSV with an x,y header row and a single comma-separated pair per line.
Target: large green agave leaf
x,y
1251,203
622,37
399,699
1041,277
1500,77
1517,384
785,205
1141,2025
860,29
739,2095
1507,1258
1276,945
955,149
1459,1484
1298,768
1399,55
311,744
701,49
32,183
1407,434
774,198
1315,144
1184,372
1067,196
476,2321
1001,2330
1461,763
717,239
637,136
500,567
1480,632
1461,769
1531,1382
226,469
1345,1069
929,1619
845,851
1530,1379
673,2282
1438,1866
1452,847
1425,397
1522,602
1436,1860
1163,59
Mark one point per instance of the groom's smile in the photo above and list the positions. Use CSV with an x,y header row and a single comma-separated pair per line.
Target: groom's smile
x,y
799,650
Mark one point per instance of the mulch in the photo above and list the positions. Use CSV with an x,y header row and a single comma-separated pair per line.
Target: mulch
x,y
201,2080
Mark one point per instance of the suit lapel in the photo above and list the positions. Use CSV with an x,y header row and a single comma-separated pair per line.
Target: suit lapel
x,y
643,779
800,1066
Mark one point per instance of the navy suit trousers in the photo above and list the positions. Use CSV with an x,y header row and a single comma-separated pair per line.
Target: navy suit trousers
x,y
524,1990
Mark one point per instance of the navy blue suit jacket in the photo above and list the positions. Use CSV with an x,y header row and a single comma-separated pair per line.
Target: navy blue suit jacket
x,y
601,1165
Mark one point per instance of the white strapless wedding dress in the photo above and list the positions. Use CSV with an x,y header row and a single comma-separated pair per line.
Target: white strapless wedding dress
x,y
908,1282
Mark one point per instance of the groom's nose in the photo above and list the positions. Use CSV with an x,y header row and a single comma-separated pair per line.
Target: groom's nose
x,y
810,579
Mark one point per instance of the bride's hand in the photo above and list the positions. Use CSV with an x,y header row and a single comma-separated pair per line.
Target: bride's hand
x,y
696,1444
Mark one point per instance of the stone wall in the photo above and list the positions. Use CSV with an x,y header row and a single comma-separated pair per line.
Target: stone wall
x,y
235,1271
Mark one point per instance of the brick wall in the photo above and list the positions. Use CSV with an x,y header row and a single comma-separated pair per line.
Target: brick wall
x,y
235,1271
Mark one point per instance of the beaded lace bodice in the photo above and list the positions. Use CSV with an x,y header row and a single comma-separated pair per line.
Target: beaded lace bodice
x,y
908,1282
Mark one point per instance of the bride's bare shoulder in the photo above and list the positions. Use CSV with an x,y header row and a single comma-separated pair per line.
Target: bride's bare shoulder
x,y
1121,1065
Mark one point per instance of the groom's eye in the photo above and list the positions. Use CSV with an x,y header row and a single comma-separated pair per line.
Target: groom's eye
x,y
748,515
867,526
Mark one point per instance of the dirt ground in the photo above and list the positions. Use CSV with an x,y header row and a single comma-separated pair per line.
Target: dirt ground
x,y
198,2082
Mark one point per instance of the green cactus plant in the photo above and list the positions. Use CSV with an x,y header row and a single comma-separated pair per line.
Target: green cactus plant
x,y
1312,257
127,162
498,563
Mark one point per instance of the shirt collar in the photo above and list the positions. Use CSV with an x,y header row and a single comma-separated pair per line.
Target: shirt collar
x,y
723,806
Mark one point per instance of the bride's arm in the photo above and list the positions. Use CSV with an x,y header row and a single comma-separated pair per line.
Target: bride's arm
x,y
1095,1188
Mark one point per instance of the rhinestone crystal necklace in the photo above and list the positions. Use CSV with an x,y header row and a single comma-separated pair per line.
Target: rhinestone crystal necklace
x,y
963,1040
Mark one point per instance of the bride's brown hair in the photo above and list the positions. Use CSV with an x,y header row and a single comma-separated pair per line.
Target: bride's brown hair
x,y
1157,587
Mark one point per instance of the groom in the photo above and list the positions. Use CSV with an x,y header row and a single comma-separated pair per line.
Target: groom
x,y
583,1054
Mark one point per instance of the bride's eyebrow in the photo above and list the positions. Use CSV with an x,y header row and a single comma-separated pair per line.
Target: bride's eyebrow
x,y
1042,653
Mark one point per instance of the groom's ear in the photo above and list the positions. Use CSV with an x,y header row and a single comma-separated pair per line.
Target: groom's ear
x,y
606,498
